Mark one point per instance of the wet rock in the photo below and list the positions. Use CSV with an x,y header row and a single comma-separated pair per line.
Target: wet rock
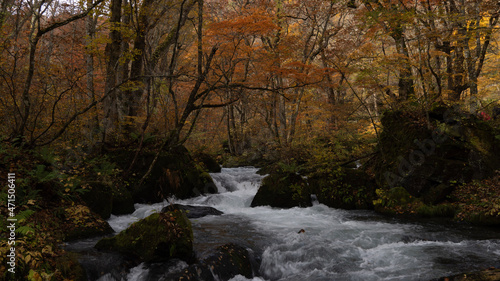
x,y
159,237
283,190
228,261
193,212
96,264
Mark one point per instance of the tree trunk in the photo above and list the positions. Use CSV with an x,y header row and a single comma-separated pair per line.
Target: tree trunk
x,y
132,98
90,25
113,52
405,80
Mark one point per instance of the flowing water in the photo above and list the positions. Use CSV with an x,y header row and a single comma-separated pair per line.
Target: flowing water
x,y
336,244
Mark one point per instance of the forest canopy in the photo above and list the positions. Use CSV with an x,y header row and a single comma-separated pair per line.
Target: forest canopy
x,y
242,73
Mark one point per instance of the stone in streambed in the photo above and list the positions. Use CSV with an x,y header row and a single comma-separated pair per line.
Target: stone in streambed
x,y
283,190
194,212
228,261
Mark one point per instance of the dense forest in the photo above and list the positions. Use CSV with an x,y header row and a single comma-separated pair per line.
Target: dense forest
x,y
108,103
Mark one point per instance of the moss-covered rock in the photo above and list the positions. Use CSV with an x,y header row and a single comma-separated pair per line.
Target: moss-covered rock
x,y
228,261
395,201
428,157
209,163
174,174
105,200
159,237
80,222
283,190
345,189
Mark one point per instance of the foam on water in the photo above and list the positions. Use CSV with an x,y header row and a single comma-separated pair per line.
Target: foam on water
x,y
120,223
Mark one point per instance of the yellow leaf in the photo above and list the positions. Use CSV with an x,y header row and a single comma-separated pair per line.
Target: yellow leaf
x,y
47,250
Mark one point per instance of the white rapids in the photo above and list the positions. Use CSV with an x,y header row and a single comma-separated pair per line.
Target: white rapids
x,y
336,244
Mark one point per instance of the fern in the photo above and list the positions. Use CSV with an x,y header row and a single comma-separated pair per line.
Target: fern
x,y
24,215
25,230
47,155
42,175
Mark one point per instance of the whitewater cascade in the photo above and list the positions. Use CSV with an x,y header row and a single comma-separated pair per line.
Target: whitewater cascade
x,y
336,244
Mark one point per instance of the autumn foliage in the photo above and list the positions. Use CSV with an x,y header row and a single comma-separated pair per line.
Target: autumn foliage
x,y
243,73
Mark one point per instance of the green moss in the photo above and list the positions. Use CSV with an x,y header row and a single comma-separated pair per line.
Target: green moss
x,y
428,157
483,219
158,237
344,188
395,201
441,210
437,193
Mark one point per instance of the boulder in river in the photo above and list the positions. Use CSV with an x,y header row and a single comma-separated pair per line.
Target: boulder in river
x,y
193,212
208,162
159,237
283,190
428,154
344,189
174,174
228,261
105,199
80,223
